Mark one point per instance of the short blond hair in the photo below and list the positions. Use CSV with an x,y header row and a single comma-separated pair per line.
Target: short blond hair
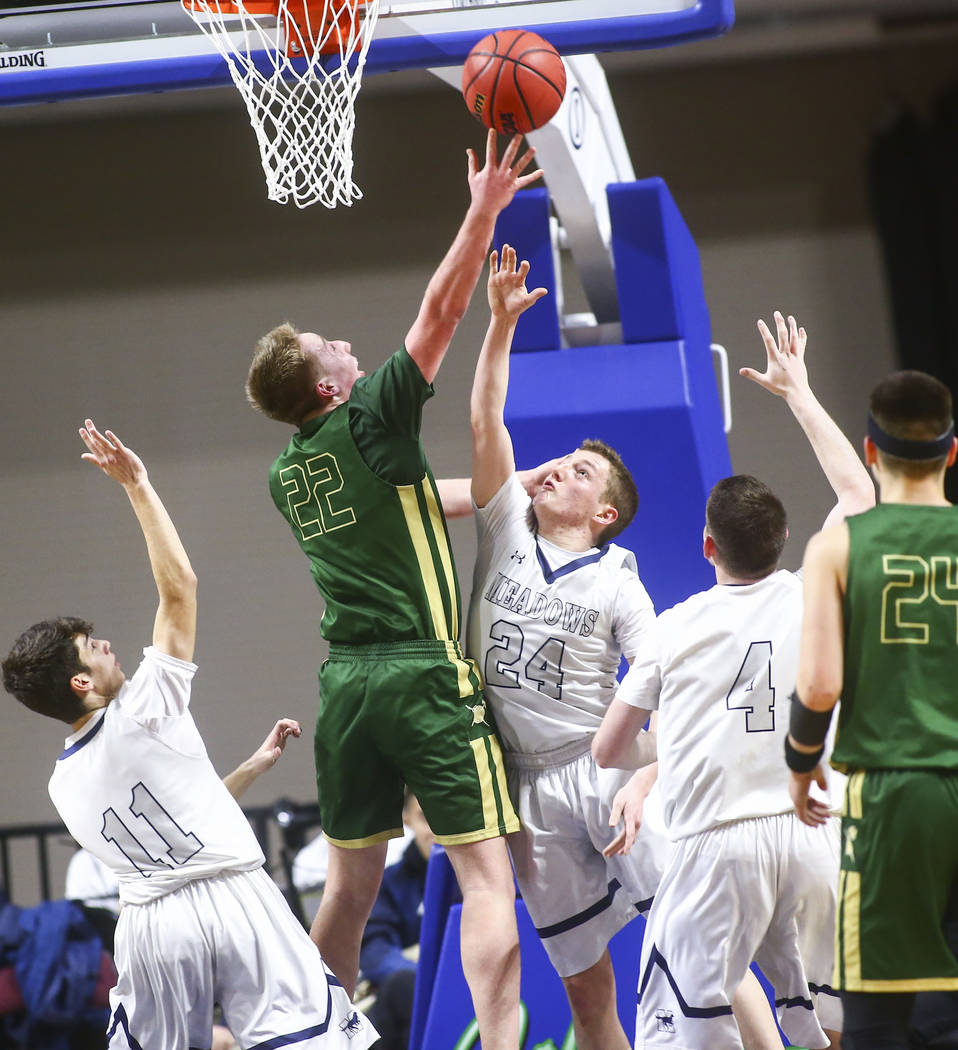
x,y
281,379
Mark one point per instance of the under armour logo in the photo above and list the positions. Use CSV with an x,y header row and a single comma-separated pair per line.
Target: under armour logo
x,y
352,1025
517,556
851,833
664,1021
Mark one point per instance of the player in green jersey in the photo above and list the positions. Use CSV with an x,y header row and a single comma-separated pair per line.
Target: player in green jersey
x,y
879,631
398,702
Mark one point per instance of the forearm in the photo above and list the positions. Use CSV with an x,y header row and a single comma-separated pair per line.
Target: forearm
x,y
837,457
241,778
617,742
638,752
450,289
175,579
490,385
455,496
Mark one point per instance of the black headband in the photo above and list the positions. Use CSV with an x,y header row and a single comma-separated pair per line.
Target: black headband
x,y
906,448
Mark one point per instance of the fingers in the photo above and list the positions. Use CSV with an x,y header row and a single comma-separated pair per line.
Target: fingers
x,y
782,331
616,814
471,162
767,338
615,846
524,161
511,150
816,813
525,180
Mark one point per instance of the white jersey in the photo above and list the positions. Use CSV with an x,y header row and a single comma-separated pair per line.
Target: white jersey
x,y
135,787
548,626
721,670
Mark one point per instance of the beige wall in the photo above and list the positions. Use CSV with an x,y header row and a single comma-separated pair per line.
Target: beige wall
x,y
140,259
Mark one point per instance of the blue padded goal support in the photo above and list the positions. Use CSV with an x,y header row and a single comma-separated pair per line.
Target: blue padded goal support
x,y
653,397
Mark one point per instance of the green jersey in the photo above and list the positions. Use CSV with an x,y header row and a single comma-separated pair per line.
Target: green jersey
x,y
899,705
358,494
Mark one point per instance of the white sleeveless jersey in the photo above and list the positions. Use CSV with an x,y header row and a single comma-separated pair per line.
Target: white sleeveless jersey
x,y
547,626
135,787
721,670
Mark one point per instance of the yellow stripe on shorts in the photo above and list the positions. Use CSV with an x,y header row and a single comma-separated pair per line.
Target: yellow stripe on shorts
x,y
417,533
442,546
490,811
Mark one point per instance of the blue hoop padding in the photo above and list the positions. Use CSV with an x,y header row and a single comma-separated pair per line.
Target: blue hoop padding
x,y
653,397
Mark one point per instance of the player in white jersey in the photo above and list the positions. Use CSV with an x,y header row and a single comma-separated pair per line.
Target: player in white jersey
x,y
745,880
202,921
554,605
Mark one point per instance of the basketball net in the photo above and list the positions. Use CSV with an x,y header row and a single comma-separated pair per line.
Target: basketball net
x,y
298,65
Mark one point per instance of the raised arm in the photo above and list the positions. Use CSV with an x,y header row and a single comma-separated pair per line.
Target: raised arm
x,y
492,456
174,630
448,293
264,757
786,376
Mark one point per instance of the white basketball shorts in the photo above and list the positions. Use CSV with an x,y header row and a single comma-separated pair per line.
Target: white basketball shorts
x,y
577,899
230,940
761,889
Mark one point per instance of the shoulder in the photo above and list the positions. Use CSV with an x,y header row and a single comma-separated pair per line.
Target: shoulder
x,y
509,504
827,548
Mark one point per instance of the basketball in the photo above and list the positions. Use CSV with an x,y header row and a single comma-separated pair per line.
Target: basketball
x,y
513,81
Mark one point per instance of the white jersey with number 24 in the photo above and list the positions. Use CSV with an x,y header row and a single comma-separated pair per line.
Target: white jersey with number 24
x,y
548,626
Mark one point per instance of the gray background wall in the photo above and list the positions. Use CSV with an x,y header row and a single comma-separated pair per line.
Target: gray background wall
x,y
139,259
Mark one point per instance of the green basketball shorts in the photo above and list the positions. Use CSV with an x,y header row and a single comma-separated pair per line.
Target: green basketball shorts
x,y
899,864
407,714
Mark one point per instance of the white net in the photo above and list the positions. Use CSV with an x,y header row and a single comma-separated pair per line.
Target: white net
x,y
298,65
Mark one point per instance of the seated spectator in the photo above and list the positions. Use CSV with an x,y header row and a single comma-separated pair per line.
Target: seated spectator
x,y
391,939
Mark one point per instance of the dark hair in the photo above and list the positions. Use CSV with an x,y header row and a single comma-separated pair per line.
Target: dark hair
x,y
620,489
39,666
746,521
912,405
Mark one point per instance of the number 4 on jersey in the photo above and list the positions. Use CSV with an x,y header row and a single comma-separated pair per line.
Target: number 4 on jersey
x,y
752,690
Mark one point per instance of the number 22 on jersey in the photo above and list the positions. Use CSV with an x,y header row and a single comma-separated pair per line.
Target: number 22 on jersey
x,y
310,485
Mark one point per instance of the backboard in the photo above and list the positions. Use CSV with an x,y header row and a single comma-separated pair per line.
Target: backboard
x,y
54,51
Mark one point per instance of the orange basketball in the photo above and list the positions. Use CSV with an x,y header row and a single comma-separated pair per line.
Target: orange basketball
x,y
513,81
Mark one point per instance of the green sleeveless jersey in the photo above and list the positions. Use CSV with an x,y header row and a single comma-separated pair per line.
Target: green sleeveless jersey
x,y
379,552
899,705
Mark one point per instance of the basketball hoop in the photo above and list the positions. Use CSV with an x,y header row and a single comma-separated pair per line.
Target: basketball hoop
x,y
298,65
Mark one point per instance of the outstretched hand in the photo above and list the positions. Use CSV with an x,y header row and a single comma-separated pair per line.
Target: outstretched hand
x,y
785,371
494,185
508,295
109,453
267,754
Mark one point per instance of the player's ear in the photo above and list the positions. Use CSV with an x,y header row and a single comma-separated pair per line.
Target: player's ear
x,y
708,547
607,515
871,452
82,684
952,452
326,390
